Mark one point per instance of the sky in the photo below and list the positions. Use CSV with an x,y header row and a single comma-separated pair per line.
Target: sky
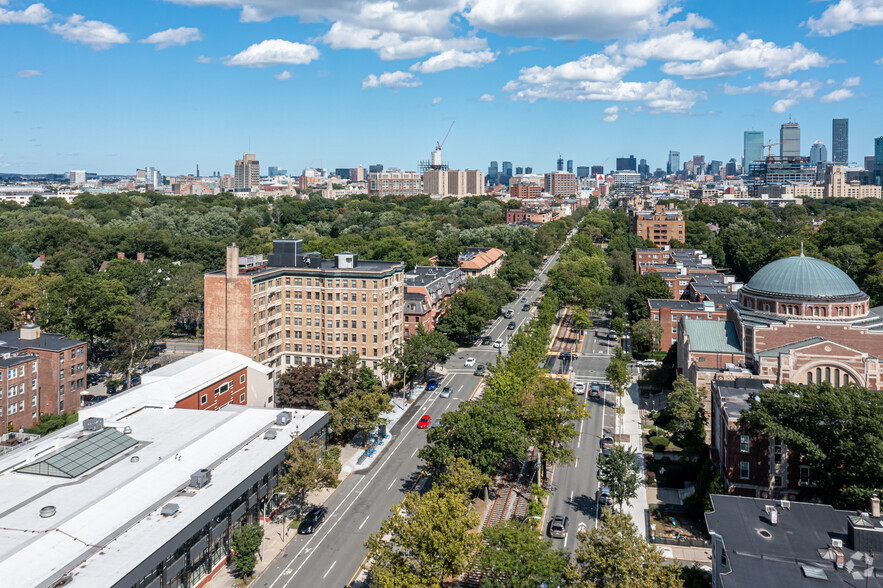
x,y
110,86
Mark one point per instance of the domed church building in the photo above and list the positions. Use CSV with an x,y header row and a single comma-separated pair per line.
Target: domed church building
x,y
799,319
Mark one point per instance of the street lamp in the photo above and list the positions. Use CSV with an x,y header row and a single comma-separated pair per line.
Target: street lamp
x,y
407,385
266,504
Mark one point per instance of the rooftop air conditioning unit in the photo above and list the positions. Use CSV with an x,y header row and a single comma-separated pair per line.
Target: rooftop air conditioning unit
x,y
785,504
270,434
283,418
93,424
200,478
169,509
837,543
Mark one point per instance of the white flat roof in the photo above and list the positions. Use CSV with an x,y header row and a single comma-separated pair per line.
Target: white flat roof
x,y
108,519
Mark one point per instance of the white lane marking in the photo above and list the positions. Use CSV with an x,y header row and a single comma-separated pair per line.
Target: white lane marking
x,y
329,569
571,495
391,484
565,540
580,438
363,522
448,406
416,449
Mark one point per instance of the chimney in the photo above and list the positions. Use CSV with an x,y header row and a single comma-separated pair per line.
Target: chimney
x,y
121,255
42,257
232,260
140,257
875,506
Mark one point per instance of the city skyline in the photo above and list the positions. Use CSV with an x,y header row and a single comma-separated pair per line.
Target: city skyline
x,y
110,88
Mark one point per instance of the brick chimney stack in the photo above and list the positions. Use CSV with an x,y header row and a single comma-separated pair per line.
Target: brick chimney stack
x,y
232,260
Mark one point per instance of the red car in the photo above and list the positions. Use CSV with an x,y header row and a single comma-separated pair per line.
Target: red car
x,y
424,422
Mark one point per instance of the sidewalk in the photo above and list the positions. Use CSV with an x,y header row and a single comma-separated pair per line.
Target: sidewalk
x,y
630,434
276,536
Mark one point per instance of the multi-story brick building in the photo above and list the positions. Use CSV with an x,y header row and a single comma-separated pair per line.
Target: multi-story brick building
x,y
43,373
481,261
538,216
296,307
659,226
560,183
523,191
426,288
395,184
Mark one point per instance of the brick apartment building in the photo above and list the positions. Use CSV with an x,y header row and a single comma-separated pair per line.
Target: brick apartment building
x,y
539,216
522,191
659,226
42,373
560,184
481,261
395,184
426,288
296,307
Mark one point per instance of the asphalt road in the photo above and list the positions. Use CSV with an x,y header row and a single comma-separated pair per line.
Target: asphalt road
x,y
333,556
574,486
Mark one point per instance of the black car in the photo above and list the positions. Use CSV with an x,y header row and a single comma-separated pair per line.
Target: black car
x,y
312,521
566,356
485,340
511,325
526,307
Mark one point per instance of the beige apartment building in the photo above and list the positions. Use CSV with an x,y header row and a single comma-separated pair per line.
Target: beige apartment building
x,y
439,182
296,308
246,172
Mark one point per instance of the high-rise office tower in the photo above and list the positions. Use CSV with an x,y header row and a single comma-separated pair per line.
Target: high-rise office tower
x,y
714,168
752,148
507,168
493,171
878,161
560,163
674,162
644,169
528,170
375,169
626,163
570,166
582,171
818,153
77,177
597,170
519,171
840,140
731,167
246,172
789,137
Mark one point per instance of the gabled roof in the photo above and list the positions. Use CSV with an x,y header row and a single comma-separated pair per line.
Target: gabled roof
x,y
712,336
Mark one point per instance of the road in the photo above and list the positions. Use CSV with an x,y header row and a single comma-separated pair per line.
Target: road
x,y
333,556
574,487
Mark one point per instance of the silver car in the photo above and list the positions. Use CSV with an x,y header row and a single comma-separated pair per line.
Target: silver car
x,y
558,527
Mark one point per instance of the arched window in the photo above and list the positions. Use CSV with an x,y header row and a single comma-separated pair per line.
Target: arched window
x,y
837,378
818,375
809,377
845,379
828,375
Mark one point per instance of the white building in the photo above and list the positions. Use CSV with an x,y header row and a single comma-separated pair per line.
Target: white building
x,y
77,177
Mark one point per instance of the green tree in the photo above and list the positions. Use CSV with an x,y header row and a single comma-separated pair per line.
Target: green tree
x,y
465,313
425,349
686,414
426,539
460,476
299,387
516,269
615,556
581,319
644,287
621,473
135,338
306,470
53,422
514,556
646,335
85,306
617,371
358,412
845,454
246,543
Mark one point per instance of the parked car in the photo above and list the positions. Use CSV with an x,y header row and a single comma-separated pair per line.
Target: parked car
x,y
511,325
485,340
470,361
558,527
595,391
612,335
431,385
604,496
424,422
446,392
526,307
509,313
498,344
647,363
479,370
524,299
607,442
579,388
312,521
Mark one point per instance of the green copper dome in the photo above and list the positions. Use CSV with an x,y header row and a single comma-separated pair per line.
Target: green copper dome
x,y
803,276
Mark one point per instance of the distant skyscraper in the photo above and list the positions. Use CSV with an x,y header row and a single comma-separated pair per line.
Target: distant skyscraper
x,y
714,167
278,171
375,169
77,177
519,171
570,166
153,177
507,168
674,162
818,153
560,163
597,170
528,170
789,137
493,171
246,172
626,163
752,149
582,171
731,167
878,161
840,140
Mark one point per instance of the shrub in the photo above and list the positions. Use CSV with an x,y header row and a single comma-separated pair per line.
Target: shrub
x,y
659,442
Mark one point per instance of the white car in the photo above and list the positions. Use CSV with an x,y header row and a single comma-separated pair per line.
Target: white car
x,y
498,344
579,388
470,361
647,363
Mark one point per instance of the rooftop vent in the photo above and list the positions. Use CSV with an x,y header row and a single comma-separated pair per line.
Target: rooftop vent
x,y
200,478
47,511
170,509
270,434
283,418
29,332
93,424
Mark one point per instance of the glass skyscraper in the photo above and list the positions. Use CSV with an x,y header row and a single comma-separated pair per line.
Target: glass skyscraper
x,y
789,139
878,161
752,149
840,140
674,162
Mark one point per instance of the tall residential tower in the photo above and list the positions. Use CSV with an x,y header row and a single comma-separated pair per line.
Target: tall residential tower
x,y
840,140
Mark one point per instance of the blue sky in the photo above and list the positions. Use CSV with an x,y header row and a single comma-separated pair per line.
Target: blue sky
x,y
110,85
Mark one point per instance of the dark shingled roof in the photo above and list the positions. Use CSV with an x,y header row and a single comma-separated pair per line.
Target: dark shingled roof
x,y
48,341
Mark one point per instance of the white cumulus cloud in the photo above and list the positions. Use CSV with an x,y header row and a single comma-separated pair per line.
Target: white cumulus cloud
x,y
611,114
837,95
391,45
846,15
98,35
203,59
454,58
852,82
391,79
783,105
274,52
879,61
172,37
593,68
285,75
29,73
746,54
487,98
33,14
437,100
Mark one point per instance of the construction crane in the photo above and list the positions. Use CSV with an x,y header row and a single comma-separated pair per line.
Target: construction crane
x,y
769,147
438,145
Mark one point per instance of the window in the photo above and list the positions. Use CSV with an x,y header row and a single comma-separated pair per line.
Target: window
x,y
804,475
777,481
203,399
743,470
242,396
743,443
778,449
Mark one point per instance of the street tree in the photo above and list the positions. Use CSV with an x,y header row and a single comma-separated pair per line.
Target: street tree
x,y
685,413
425,349
358,412
516,269
135,338
307,469
621,473
615,556
246,541
85,306
460,476
299,387
426,539
581,319
617,371
845,453
515,556
646,335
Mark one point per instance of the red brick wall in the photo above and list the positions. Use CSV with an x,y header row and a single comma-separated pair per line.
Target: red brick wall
x,y
238,385
74,379
228,312
25,407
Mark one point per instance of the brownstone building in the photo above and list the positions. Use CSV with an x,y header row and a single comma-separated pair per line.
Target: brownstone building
x,y
42,373
296,307
426,288
560,183
523,191
659,226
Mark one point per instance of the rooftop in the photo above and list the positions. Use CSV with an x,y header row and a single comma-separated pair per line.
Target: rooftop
x,y
804,277
47,341
712,336
423,275
735,393
479,258
656,303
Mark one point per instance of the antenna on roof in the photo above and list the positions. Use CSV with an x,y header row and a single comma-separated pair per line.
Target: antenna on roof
x,y
801,249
